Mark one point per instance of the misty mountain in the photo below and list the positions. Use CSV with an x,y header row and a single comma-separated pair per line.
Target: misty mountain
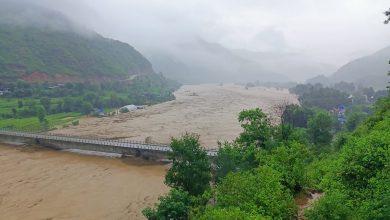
x,y
204,62
321,79
201,61
367,71
295,66
37,42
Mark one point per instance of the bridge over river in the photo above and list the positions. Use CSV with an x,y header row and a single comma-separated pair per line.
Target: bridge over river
x,y
63,142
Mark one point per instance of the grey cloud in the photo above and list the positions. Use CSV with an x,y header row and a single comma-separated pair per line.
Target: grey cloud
x,y
327,31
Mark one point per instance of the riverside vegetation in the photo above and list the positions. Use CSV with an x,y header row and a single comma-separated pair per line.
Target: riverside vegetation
x,y
53,70
44,105
258,175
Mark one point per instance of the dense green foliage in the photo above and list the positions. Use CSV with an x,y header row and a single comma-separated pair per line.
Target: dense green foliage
x,y
234,157
189,177
332,96
23,100
190,169
289,159
259,192
175,205
357,183
258,175
319,129
230,213
296,116
26,49
256,127
49,66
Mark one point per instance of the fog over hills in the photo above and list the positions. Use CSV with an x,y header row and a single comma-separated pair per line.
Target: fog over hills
x,y
370,70
205,41
201,62
297,41
45,44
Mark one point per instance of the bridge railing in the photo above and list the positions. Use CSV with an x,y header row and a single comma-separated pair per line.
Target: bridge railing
x,y
93,140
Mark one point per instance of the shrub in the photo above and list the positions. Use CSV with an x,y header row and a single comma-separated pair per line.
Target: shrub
x,y
173,206
259,192
124,110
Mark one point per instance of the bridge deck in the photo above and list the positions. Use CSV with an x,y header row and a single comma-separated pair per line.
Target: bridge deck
x,y
162,148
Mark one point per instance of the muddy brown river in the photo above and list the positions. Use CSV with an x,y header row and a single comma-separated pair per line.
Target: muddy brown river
x,y
40,184
37,183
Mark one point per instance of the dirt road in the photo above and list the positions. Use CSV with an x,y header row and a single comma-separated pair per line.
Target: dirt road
x,y
208,110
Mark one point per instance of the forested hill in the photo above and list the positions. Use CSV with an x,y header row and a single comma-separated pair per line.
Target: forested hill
x,y
44,44
368,71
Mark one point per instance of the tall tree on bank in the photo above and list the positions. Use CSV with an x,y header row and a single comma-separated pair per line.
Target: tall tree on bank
x,y
257,127
191,167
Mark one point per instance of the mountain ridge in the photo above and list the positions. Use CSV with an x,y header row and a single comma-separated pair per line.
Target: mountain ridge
x,y
68,51
370,70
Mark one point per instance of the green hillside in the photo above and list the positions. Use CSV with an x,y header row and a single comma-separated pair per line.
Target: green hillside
x,y
26,49
367,71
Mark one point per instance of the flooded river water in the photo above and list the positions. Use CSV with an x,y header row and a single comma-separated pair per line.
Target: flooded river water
x,y
39,183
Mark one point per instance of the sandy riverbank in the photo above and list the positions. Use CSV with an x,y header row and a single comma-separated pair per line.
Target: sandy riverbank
x,y
208,110
45,184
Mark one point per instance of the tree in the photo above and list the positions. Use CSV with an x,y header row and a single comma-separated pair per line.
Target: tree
x,y
191,168
342,86
357,183
258,192
90,97
279,110
174,206
257,127
45,102
229,213
234,158
319,129
296,116
20,104
289,160
332,206
354,119
326,98
41,114
86,108
14,112
59,108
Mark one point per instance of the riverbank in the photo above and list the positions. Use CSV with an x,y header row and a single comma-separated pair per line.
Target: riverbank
x,y
209,110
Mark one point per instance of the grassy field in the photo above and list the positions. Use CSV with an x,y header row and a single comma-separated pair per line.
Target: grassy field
x,y
6,105
32,123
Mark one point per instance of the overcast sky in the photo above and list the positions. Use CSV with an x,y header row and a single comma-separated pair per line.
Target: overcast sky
x,y
329,31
